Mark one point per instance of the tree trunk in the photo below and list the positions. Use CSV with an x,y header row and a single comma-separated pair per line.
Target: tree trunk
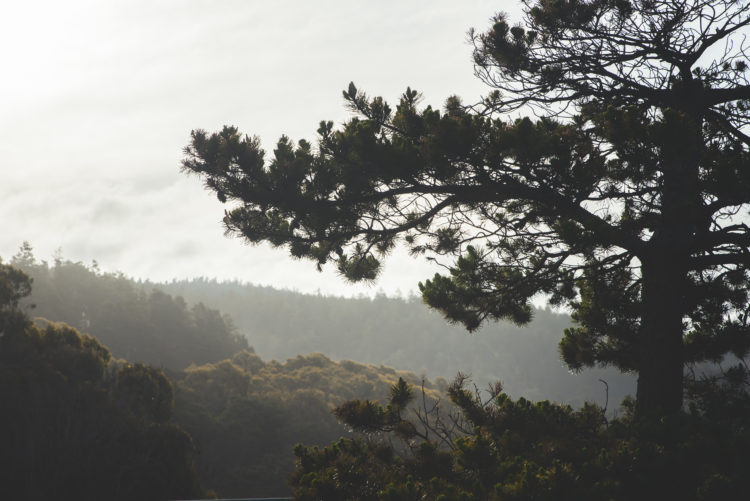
x,y
665,267
660,378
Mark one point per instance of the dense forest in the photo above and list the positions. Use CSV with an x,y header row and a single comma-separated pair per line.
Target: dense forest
x,y
77,424
153,328
178,323
238,417
81,424
230,420
406,334
246,415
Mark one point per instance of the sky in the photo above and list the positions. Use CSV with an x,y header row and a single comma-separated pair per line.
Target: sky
x,y
97,101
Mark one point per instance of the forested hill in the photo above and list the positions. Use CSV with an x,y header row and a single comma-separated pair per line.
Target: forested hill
x,y
405,334
246,415
243,415
178,323
150,327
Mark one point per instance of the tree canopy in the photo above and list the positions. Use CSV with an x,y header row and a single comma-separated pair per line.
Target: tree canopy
x,y
495,448
246,415
622,198
150,327
78,425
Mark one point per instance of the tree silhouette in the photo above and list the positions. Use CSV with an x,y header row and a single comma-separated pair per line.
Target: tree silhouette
x,y
622,200
77,425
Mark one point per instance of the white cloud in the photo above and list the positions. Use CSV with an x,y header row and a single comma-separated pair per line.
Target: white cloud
x,y
99,99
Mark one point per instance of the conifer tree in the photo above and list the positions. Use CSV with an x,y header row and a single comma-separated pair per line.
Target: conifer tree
x,y
623,199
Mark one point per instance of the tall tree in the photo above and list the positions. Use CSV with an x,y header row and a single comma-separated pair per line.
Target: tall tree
x,y
623,201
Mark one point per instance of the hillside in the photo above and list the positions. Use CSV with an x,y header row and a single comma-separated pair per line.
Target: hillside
x,y
405,334
246,415
201,321
153,328
243,415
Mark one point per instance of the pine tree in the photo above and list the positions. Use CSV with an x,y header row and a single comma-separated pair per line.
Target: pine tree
x,y
623,199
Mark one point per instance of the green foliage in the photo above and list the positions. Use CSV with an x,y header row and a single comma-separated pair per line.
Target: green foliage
x,y
246,415
14,286
76,425
153,328
370,417
402,333
606,314
145,391
463,296
505,449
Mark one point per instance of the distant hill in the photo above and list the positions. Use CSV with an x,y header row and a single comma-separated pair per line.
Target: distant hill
x,y
405,334
150,327
200,321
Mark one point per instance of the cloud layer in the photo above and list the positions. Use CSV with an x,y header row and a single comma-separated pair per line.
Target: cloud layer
x,y
99,98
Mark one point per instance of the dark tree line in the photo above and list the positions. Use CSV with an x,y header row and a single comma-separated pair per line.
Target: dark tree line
x,y
490,446
77,425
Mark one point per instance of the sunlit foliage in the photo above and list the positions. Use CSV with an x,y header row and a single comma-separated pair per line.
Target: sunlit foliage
x,y
246,415
402,333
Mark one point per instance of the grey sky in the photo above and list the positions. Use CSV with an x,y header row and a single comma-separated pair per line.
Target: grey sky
x,y
98,100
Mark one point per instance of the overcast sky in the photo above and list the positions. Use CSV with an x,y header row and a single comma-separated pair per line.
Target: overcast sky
x,y
97,100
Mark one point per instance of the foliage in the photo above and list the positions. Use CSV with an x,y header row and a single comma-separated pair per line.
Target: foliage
x,y
505,449
402,333
148,322
14,285
246,415
619,201
75,424
153,328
